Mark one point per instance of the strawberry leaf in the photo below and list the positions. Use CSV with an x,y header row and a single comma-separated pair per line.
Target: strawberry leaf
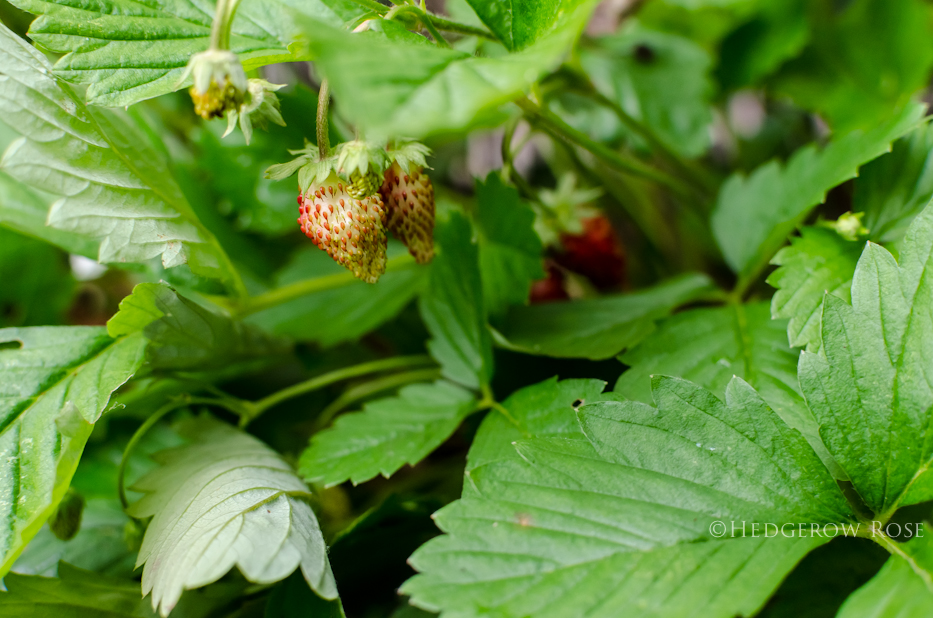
x,y
113,188
519,23
225,499
387,434
56,383
597,328
894,188
453,309
76,594
660,79
622,520
545,409
24,210
754,215
839,74
509,248
873,378
342,314
393,88
127,53
903,586
184,335
710,346
817,262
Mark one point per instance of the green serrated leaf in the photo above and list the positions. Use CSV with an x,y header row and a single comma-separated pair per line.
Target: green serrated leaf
x,y
622,521
709,346
130,52
597,328
509,248
546,409
902,589
56,383
76,594
894,188
185,335
658,78
754,215
453,308
113,188
341,314
863,61
871,385
817,262
404,89
225,500
387,434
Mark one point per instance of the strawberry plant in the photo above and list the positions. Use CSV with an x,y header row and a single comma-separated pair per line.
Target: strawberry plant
x,y
584,309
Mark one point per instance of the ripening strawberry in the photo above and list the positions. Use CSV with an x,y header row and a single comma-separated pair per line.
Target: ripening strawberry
x,y
350,230
597,253
409,200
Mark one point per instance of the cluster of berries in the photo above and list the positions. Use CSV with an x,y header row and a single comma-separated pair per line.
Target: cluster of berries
x,y
349,200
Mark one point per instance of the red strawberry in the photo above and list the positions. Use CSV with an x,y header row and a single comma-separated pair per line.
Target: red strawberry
x,y
350,230
409,200
549,289
597,253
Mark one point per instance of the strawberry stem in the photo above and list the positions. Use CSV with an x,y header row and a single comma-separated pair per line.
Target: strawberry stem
x,y
317,382
554,125
223,21
323,130
298,289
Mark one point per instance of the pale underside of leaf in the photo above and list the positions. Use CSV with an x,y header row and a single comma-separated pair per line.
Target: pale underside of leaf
x,y
113,188
226,500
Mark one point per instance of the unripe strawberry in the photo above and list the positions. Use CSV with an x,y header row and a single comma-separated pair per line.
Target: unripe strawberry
x,y
350,230
409,200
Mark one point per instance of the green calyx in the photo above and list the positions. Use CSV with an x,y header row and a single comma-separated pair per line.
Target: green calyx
x,y
310,168
362,163
359,163
408,155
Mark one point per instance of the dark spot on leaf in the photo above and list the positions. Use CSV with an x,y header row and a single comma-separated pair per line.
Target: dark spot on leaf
x,y
644,54
576,404
11,345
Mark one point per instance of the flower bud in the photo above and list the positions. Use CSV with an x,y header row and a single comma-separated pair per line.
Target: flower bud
x,y
219,85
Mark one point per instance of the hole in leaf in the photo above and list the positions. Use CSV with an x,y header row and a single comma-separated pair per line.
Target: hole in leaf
x,y
576,404
644,54
11,345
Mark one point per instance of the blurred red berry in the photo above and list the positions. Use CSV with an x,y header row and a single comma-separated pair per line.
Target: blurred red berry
x,y
597,253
